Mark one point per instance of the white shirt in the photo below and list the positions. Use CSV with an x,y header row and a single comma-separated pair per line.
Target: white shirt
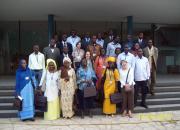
x,y
111,47
52,86
36,61
123,75
73,41
128,57
142,69
100,42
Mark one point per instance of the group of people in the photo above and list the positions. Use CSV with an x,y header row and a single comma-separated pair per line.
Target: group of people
x,y
67,66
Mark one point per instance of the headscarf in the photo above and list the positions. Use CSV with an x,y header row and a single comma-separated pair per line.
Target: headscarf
x,y
111,59
49,61
64,71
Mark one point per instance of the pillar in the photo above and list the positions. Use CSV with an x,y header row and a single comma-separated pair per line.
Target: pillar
x,y
50,26
130,25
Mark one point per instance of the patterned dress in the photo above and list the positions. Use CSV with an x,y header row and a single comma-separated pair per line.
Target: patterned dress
x,y
67,94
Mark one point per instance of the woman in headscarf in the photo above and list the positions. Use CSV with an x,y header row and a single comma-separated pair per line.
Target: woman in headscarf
x,y
24,89
50,86
110,86
68,87
85,78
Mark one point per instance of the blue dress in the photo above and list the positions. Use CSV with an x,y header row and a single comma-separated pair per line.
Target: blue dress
x,y
24,88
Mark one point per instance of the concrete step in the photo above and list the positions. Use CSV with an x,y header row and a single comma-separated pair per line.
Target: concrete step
x,y
167,89
6,99
7,92
164,95
8,113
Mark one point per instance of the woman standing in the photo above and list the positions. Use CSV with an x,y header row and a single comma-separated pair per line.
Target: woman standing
x,y
89,60
68,87
50,86
127,85
110,86
100,65
77,54
24,88
85,78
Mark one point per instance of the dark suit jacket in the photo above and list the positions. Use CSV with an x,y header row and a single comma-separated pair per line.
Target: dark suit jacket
x,y
49,55
142,44
85,44
62,57
106,41
60,46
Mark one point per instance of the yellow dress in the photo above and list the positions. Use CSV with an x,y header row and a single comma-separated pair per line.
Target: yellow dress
x,y
53,110
110,88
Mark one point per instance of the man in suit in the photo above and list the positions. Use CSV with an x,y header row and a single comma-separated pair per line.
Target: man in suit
x,y
51,52
86,41
151,52
65,54
108,39
63,43
141,40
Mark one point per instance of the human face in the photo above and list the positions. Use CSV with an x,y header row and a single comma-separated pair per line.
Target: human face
x,y
141,35
84,63
126,49
111,65
53,42
73,33
64,37
136,46
124,64
150,43
51,66
102,52
23,64
66,64
65,50
79,45
36,48
140,53
56,37
94,39
88,55
99,36
117,51
117,39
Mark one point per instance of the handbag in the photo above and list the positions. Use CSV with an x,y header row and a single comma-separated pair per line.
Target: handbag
x,y
17,104
128,88
89,91
116,98
40,102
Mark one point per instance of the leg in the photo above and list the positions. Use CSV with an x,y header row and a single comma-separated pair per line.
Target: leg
x,y
153,80
130,100
144,90
124,105
136,91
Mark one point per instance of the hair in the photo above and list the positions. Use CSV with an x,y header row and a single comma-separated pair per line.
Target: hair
x,y
78,43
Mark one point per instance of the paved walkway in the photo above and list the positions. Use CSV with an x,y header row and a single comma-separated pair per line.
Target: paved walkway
x,y
148,121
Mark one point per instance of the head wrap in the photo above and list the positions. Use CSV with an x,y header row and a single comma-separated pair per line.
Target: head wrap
x,y
111,59
49,61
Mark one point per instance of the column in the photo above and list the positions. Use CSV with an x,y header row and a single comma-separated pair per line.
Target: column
x,y
50,26
130,25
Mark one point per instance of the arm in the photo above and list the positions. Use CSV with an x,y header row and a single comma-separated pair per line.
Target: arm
x,y
108,50
148,69
43,62
74,80
29,61
118,61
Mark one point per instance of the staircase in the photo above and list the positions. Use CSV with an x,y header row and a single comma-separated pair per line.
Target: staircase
x,y
167,98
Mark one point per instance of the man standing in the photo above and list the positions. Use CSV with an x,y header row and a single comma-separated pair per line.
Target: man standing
x,y
51,52
86,41
151,52
94,48
108,39
111,47
99,40
73,39
141,40
141,76
126,55
65,54
63,44
37,63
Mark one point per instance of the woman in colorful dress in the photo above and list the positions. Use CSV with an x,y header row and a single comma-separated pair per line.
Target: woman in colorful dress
x,y
85,77
77,54
50,86
24,89
110,86
68,87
